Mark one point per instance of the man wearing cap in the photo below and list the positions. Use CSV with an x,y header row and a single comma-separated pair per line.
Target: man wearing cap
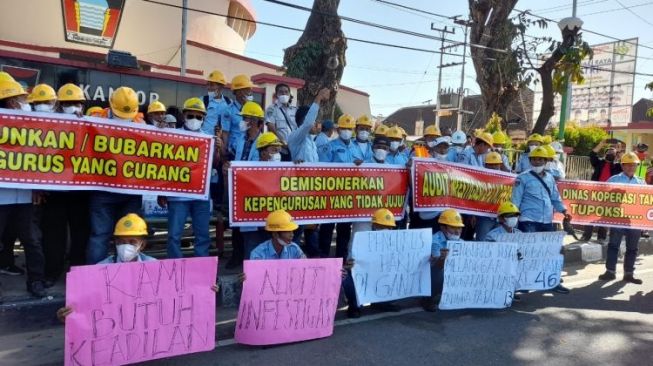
x,y
500,139
215,102
533,141
362,147
536,195
302,141
457,148
280,227
232,131
280,116
508,218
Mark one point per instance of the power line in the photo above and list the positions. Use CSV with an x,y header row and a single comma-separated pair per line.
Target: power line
x,y
413,9
618,9
633,13
555,9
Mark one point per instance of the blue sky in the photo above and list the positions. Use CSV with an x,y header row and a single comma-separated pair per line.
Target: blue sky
x,y
396,78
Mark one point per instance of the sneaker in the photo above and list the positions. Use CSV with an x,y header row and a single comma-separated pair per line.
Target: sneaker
x,y
561,289
608,276
37,289
631,279
353,312
12,270
385,306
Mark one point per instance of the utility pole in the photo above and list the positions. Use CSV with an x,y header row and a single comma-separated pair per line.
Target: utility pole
x,y
437,108
184,28
565,107
461,92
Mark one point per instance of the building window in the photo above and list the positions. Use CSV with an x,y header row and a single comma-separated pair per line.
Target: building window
x,y
244,28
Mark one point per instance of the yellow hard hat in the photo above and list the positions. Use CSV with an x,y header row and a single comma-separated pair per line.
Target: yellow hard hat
x,y
156,106
95,110
42,93
536,137
550,150
194,104
124,103
346,121
217,76
364,120
280,220
486,137
241,82
70,93
630,158
381,130
403,132
547,139
384,217
10,89
130,225
499,138
507,208
451,217
493,158
539,152
394,133
4,76
267,139
252,109
432,130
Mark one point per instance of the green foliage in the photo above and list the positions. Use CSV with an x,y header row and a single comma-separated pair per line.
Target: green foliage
x,y
582,139
493,124
569,68
649,113
303,59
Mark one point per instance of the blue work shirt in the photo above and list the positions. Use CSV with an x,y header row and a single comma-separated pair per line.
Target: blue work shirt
x,y
492,234
439,241
231,124
266,250
300,142
623,178
362,150
114,259
470,157
396,158
11,196
523,164
322,144
340,151
533,200
240,148
214,112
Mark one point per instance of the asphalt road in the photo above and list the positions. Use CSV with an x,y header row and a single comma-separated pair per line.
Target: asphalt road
x,y
597,324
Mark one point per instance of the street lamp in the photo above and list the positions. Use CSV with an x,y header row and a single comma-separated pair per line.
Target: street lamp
x,y
569,27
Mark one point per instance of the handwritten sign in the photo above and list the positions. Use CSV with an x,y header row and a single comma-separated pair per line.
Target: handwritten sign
x,y
132,312
541,263
288,300
391,264
479,275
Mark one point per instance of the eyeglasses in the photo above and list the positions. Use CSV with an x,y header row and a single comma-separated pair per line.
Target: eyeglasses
x,y
198,117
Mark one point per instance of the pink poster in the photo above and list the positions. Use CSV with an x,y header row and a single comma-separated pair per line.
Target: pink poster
x,y
288,300
131,312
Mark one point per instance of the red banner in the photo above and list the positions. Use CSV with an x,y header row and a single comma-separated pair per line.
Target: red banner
x,y
59,152
314,193
479,191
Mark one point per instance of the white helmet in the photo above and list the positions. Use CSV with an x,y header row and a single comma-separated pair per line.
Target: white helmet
x,y
458,137
443,139
557,146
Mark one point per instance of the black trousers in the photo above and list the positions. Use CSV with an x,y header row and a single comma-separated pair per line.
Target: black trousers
x,y
343,234
19,217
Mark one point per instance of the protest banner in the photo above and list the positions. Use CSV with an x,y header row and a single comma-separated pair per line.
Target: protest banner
x,y
439,185
541,262
479,275
479,191
54,151
132,312
288,300
314,193
391,264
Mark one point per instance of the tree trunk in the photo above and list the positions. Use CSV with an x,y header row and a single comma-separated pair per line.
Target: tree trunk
x,y
547,109
318,57
495,73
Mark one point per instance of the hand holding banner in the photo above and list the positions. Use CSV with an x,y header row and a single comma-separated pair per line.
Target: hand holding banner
x,y
288,300
391,264
133,312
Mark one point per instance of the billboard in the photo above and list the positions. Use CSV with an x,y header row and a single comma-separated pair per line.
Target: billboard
x,y
92,22
606,96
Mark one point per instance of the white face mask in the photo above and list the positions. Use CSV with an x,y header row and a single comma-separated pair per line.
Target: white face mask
x,y
345,134
380,154
275,157
243,126
363,135
432,143
451,236
126,252
250,98
25,107
43,107
394,145
193,124
72,109
532,147
284,99
211,95
511,222
538,169
283,243
498,149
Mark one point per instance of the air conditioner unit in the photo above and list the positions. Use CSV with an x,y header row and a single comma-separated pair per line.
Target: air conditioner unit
x,y
122,59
